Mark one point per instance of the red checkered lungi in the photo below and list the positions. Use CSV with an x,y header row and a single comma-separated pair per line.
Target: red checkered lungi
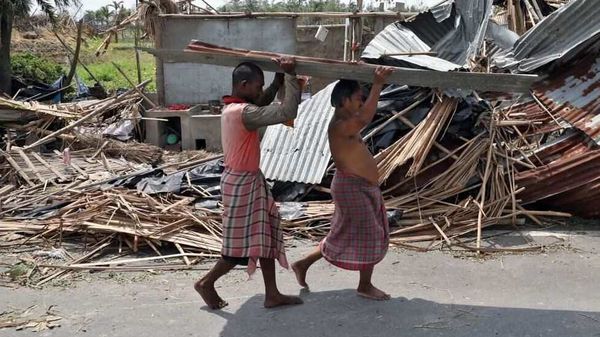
x,y
250,219
359,234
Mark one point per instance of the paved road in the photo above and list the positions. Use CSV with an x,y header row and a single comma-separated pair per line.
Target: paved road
x,y
554,293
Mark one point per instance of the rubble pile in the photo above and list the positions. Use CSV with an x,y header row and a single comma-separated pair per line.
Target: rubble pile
x,y
453,160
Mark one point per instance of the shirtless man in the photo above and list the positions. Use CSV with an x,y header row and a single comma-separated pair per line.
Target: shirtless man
x,y
359,234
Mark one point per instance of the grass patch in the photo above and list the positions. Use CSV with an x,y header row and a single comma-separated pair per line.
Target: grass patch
x,y
35,68
121,53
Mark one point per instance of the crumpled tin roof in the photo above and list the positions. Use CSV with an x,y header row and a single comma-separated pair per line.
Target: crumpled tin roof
x,y
560,35
300,154
453,29
396,38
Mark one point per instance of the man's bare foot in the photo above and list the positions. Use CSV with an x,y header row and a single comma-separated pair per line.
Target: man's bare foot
x,y
209,295
369,291
300,272
281,300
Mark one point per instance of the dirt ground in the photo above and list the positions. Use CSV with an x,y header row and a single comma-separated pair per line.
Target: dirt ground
x,y
46,45
552,292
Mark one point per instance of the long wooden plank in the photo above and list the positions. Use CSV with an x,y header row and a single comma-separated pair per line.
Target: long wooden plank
x,y
360,72
48,166
323,15
30,164
16,166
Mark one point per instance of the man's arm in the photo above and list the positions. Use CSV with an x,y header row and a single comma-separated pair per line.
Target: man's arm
x,y
365,115
269,95
255,117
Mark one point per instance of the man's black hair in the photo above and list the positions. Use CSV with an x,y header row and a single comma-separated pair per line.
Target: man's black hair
x,y
246,71
342,90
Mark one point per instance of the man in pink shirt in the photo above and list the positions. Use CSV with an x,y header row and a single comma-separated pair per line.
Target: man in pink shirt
x,y
251,230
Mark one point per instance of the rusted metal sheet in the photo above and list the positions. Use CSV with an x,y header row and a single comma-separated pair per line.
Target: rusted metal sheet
x,y
567,178
574,95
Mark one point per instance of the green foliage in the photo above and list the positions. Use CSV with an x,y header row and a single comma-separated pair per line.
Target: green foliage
x,y
121,53
32,67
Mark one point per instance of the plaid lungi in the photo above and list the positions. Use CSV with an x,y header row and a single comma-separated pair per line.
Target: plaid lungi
x,y
250,219
359,234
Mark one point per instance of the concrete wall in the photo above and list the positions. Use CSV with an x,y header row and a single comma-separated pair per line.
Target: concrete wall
x,y
189,83
333,46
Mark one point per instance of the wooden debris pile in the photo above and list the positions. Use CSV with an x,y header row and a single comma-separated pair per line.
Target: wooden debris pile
x,y
444,193
133,219
69,184
27,319
97,219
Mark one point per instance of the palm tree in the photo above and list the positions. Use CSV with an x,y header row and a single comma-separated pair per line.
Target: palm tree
x,y
8,10
90,17
103,14
117,6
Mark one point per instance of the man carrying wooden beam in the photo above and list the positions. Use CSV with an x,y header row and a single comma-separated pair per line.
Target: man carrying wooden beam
x,y
251,222
359,234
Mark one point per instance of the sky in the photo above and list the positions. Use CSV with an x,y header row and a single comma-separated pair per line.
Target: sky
x,y
95,4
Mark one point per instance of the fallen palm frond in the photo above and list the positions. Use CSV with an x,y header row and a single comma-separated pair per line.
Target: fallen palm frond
x,y
149,11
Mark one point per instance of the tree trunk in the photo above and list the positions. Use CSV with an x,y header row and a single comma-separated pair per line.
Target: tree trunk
x,y
6,21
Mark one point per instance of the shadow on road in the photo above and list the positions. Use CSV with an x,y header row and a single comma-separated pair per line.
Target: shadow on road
x,y
342,313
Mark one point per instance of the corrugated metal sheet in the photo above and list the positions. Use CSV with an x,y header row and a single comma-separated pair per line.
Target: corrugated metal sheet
x,y
568,176
571,96
464,41
300,154
570,182
442,11
399,39
453,30
559,35
574,95
501,36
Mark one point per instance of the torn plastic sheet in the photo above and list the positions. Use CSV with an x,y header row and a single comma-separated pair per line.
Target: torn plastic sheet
x,y
166,184
122,130
394,216
207,176
291,210
287,191
133,180
207,204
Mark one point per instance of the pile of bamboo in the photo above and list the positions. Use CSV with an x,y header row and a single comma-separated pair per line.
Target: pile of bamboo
x,y
59,167
417,143
122,222
445,194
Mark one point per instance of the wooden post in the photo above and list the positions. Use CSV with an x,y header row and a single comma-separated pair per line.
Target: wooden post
x,y
135,42
379,25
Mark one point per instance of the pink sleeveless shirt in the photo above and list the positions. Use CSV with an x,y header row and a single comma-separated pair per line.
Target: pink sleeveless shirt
x,y
241,147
